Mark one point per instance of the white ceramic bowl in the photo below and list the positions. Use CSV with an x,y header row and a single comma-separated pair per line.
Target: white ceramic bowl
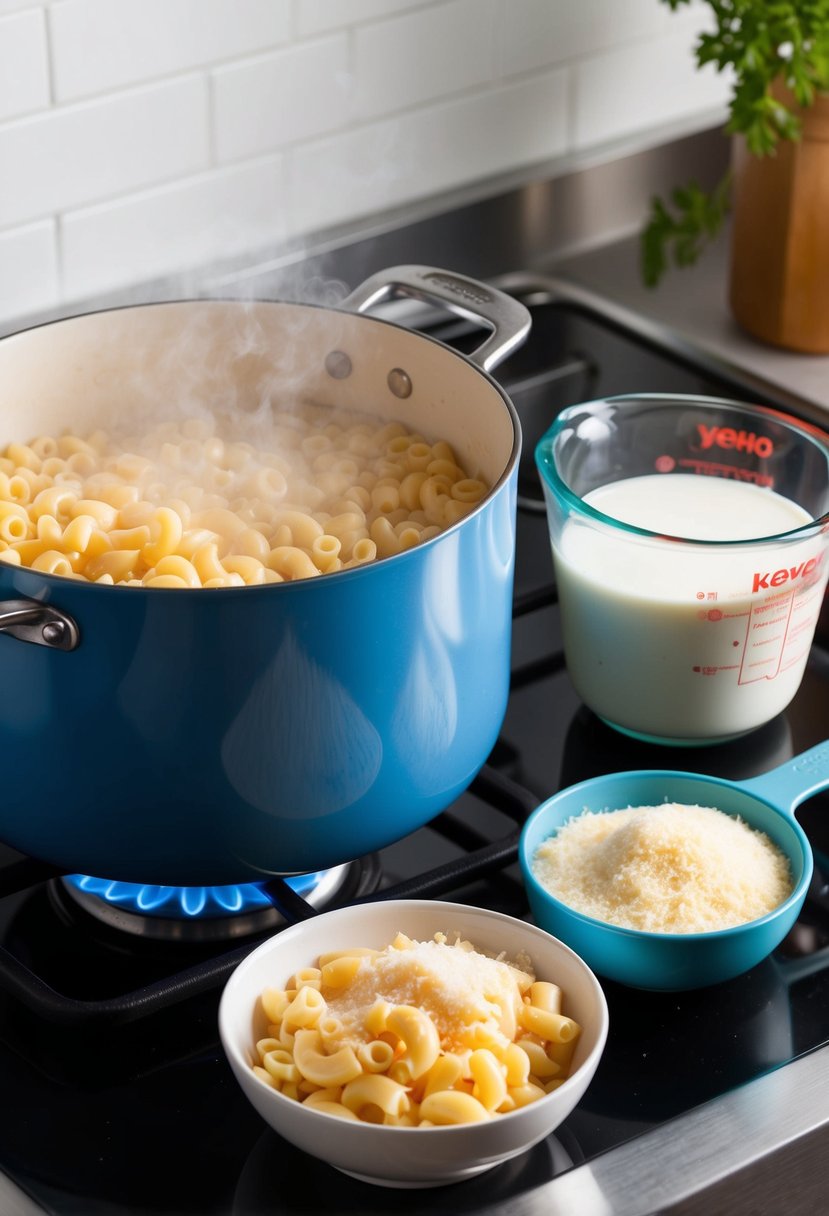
x,y
410,1156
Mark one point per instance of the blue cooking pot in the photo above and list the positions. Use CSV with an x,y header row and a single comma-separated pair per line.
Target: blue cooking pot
x,y
197,737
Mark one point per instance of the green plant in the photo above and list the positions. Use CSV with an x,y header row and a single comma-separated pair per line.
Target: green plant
x,y
760,41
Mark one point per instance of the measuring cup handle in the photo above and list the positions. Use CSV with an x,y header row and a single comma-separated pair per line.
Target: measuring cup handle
x,y
793,782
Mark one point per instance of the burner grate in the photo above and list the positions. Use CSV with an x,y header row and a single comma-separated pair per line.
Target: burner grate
x,y
481,858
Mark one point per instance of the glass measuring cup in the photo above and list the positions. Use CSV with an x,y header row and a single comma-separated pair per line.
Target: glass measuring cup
x,y
689,539
677,961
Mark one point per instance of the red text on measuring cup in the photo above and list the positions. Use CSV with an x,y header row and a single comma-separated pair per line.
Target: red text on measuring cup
x,y
777,578
739,441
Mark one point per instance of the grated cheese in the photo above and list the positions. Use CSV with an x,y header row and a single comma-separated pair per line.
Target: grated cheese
x,y
456,985
664,869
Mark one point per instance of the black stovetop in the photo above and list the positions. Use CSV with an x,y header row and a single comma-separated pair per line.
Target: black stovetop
x,y
116,1096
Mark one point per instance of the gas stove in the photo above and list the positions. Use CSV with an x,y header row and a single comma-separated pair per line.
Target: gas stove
x,y
117,1098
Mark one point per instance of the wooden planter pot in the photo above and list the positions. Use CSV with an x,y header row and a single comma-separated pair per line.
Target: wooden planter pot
x,y
779,279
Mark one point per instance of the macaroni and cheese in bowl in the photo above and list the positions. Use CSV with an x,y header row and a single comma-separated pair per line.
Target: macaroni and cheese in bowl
x,y
413,1043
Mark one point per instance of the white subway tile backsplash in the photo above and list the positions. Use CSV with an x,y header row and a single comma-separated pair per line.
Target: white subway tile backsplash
x,y
193,223
24,73
261,104
537,33
73,155
28,270
141,136
689,19
397,160
422,56
317,16
107,44
628,89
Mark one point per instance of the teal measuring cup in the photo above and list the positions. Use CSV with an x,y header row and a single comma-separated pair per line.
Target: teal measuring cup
x,y
677,961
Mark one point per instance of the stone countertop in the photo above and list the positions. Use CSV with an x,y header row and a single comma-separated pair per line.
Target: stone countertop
x,y
689,309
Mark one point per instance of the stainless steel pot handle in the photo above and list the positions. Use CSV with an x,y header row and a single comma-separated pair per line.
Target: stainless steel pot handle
x,y
42,624
508,318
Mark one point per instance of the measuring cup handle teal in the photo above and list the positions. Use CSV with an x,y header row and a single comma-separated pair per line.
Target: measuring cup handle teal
x,y
793,782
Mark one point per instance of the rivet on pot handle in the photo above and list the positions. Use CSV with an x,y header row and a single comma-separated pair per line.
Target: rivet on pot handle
x,y
30,621
509,319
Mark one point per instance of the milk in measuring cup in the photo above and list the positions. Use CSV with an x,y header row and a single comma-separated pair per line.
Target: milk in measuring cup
x,y
673,640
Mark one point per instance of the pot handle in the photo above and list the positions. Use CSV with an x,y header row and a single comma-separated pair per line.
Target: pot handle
x,y
507,317
31,621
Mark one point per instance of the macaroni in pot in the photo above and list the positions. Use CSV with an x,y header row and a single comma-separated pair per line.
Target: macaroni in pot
x,y
420,1034
192,504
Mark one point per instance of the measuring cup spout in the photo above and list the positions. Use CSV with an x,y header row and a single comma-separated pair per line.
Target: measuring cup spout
x,y
794,781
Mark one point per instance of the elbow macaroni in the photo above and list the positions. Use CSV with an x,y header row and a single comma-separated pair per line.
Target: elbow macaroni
x,y
194,505
341,1041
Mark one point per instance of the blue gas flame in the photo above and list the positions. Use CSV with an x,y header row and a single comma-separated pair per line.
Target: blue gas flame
x,y
188,903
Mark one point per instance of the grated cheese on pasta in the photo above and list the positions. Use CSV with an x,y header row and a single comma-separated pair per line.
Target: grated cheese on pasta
x,y
454,984
664,869
419,1034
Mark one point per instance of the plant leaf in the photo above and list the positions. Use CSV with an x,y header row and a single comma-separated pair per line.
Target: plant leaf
x,y
758,42
679,233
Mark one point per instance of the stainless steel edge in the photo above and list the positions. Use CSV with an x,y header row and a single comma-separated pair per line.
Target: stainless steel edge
x,y
15,1202
538,288
681,1164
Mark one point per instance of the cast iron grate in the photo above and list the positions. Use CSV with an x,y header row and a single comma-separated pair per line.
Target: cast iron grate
x,y
481,859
